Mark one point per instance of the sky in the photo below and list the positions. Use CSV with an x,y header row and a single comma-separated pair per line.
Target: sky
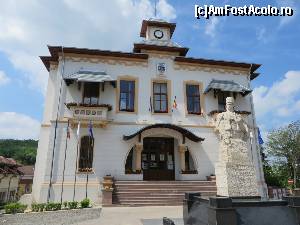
x,y
27,27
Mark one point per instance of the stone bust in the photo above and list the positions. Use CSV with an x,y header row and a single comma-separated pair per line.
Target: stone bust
x,y
231,125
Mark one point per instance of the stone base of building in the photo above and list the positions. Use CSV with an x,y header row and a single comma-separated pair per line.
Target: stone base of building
x,y
240,211
93,193
234,179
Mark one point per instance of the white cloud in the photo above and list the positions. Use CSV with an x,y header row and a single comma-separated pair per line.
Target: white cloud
x,y
4,79
282,99
261,34
284,20
28,26
18,126
165,10
211,26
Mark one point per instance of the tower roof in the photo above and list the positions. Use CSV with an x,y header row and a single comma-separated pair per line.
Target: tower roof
x,y
157,23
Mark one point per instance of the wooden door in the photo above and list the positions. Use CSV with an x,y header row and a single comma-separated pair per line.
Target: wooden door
x,y
158,159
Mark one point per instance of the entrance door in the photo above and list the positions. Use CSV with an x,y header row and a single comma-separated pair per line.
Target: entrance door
x,y
158,159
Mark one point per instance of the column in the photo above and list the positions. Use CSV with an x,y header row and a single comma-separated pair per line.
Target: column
x,y
182,149
138,158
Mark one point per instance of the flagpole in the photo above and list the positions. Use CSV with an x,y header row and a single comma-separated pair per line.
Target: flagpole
x,y
76,167
56,125
63,178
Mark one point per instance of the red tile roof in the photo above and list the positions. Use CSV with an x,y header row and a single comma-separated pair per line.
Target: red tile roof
x,y
9,166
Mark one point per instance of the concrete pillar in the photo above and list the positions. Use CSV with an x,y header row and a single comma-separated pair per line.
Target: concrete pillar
x,y
182,149
138,158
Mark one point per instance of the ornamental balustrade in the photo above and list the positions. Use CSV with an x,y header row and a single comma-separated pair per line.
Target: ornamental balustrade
x,y
89,112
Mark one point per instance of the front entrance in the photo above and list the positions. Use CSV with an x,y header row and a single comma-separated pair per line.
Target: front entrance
x,y
158,158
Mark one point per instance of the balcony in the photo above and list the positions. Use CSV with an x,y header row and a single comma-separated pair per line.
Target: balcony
x,y
97,112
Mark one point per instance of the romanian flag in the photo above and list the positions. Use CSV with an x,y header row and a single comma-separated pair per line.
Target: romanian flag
x,y
175,103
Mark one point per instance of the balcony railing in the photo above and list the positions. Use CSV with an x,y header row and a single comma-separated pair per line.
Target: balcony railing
x,y
89,112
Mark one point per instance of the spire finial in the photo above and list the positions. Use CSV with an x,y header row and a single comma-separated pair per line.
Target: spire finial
x,y
155,11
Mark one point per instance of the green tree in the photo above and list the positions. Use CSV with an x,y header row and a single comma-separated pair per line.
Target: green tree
x,y
23,151
283,147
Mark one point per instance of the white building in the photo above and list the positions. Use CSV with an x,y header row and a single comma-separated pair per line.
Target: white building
x,y
152,113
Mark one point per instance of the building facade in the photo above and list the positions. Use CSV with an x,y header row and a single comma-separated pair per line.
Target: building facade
x,y
26,179
9,179
144,115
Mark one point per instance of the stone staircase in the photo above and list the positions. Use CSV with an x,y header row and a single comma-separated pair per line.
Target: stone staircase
x,y
155,193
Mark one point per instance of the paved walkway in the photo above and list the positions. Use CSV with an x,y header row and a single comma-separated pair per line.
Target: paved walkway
x,y
150,215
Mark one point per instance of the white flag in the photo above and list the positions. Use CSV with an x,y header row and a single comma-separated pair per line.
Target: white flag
x,y
78,129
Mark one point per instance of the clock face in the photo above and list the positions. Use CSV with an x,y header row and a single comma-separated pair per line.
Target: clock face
x,y
158,34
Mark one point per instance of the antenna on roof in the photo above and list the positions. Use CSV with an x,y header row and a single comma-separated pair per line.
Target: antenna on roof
x,y
155,10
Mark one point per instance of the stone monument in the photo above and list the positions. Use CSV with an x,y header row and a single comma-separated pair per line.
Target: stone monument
x,y
235,173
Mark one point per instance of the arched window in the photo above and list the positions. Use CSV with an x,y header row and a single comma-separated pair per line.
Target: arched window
x,y
86,153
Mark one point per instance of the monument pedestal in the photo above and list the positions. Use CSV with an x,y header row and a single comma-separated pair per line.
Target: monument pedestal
x,y
234,180
240,211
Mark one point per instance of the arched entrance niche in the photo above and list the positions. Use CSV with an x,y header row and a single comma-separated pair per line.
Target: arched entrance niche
x,y
161,151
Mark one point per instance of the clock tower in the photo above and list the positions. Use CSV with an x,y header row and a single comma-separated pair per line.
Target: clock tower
x,y
157,36
155,30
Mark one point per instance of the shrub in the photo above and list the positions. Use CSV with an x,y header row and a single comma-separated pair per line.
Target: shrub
x,y
42,207
51,206
15,208
73,205
65,204
85,203
35,207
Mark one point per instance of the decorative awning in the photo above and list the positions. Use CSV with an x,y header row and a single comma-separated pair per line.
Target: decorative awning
x,y
89,76
183,131
226,85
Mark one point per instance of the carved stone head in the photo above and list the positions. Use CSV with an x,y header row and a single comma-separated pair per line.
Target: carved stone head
x,y
229,104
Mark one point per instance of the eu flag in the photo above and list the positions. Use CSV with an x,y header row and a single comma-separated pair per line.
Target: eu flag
x,y
91,130
260,140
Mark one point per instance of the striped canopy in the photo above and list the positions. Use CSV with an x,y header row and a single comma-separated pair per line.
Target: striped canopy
x,y
226,85
89,76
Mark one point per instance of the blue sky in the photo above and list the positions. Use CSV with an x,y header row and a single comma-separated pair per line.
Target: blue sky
x,y
28,26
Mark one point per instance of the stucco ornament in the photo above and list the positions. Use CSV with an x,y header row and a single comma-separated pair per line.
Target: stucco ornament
x,y
235,174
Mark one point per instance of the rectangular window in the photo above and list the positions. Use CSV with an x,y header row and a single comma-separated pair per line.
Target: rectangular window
x,y
193,99
91,93
160,97
222,95
127,95
86,153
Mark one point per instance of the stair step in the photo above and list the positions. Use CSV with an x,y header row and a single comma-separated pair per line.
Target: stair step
x,y
146,193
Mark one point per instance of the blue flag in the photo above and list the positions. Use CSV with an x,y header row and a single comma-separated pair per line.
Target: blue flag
x,y
260,140
91,130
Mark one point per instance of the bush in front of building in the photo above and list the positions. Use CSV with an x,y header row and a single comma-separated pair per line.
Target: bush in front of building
x,y
73,205
13,208
65,204
52,206
38,207
85,203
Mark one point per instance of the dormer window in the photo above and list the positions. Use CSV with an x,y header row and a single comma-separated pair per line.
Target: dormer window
x,y
91,93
